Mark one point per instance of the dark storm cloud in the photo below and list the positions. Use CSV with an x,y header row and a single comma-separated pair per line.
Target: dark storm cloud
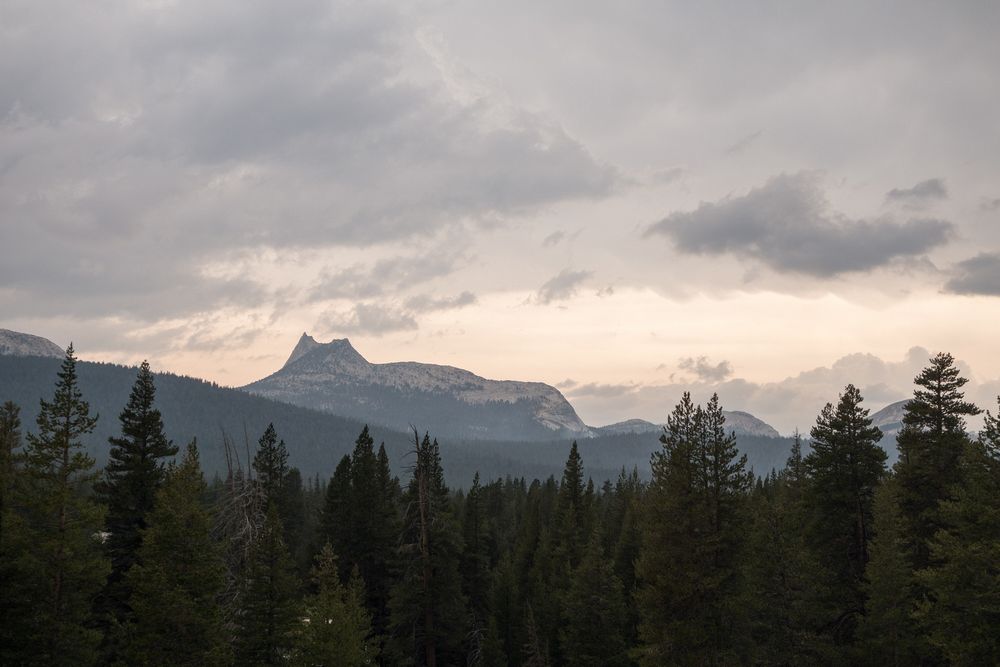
x,y
932,188
977,275
704,370
141,142
787,225
562,286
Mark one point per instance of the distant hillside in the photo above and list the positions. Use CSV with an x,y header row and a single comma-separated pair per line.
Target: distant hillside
x,y
317,440
740,423
335,378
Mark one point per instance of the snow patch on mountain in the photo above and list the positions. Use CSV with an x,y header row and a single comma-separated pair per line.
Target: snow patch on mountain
x,y
16,344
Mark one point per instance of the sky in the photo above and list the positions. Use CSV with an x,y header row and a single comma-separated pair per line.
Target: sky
x,y
625,200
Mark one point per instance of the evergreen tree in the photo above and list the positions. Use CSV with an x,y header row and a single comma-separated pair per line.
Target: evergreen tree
x,y
269,613
270,464
133,474
930,444
961,611
178,578
887,632
688,565
10,443
595,617
843,468
16,590
338,632
427,606
572,509
475,563
335,523
60,550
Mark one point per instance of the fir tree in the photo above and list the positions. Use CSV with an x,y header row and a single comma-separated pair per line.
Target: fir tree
x,y
930,444
60,548
843,468
595,618
10,443
338,632
427,606
887,632
270,464
335,522
133,474
694,533
961,611
269,613
179,577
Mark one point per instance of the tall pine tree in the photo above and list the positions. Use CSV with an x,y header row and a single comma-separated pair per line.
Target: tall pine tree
x,y
843,468
930,444
61,548
179,577
134,473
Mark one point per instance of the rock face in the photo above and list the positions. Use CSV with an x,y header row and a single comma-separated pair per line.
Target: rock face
x,y
18,344
890,419
741,423
335,378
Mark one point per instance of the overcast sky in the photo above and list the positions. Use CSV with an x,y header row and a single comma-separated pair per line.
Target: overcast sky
x,y
623,199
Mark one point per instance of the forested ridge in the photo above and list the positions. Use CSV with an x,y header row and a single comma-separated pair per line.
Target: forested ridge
x,y
834,559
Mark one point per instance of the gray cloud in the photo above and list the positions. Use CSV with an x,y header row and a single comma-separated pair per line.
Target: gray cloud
x,y
989,204
553,239
236,125
977,275
562,286
427,303
932,188
787,225
367,318
598,390
387,275
704,370
744,143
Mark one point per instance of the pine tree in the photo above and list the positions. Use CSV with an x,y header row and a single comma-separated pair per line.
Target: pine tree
x,y
269,612
428,613
572,510
336,521
930,444
61,551
688,566
178,578
134,473
10,443
270,464
961,611
887,632
595,617
338,632
843,468
475,563
16,589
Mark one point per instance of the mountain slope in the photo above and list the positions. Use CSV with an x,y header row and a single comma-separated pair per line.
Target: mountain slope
x,y
16,344
741,423
335,378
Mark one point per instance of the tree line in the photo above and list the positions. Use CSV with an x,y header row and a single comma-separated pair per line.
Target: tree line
x,y
835,559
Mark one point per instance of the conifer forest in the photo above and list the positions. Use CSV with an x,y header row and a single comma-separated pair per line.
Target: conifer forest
x,y
833,559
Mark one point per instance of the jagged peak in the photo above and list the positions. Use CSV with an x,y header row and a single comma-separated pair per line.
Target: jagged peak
x,y
305,345
341,347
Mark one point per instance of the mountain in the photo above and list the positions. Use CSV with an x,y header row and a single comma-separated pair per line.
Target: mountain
x,y
16,344
317,440
335,378
741,423
890,418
